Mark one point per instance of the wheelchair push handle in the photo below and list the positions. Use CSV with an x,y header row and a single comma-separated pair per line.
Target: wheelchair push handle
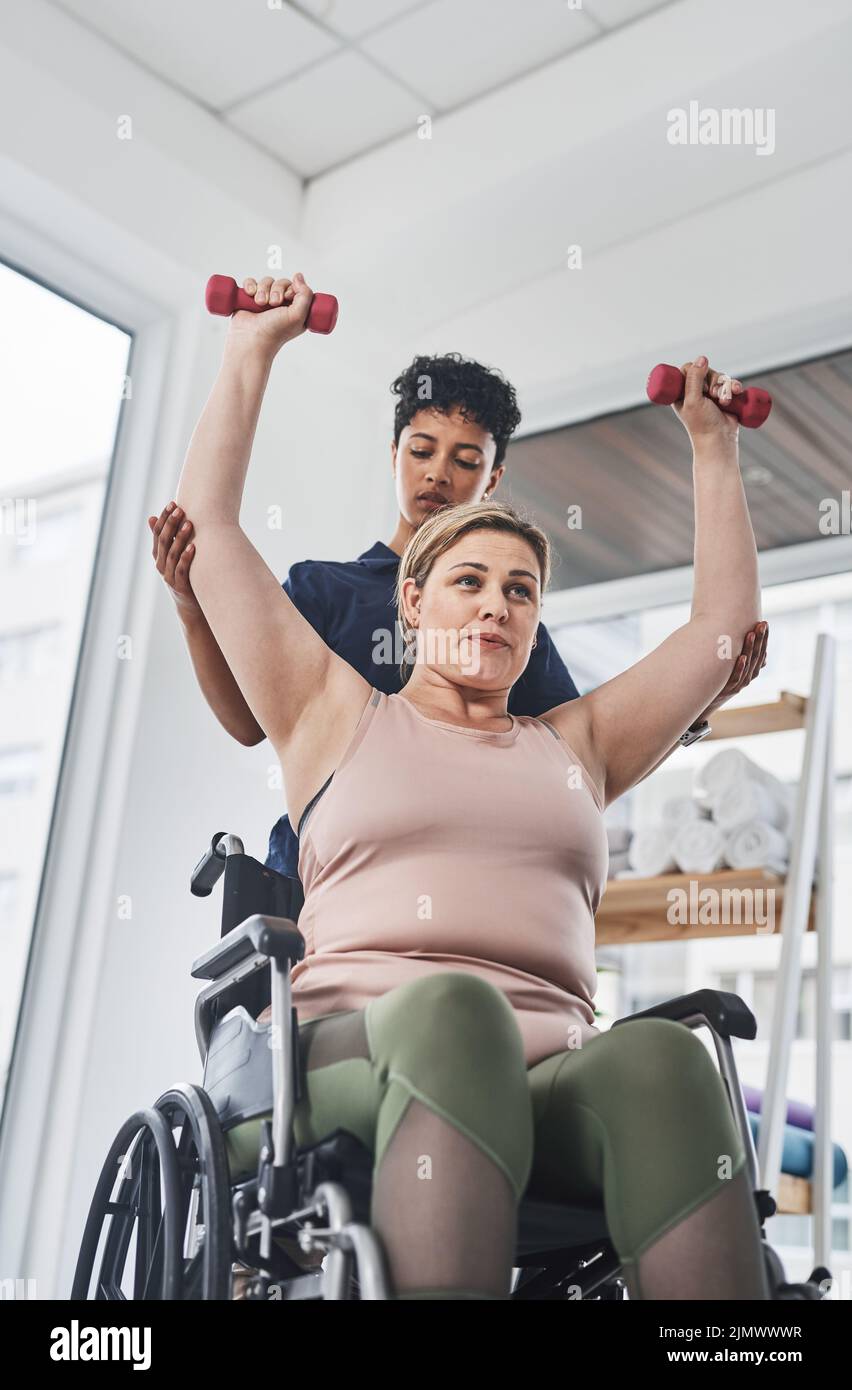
x,y
208,870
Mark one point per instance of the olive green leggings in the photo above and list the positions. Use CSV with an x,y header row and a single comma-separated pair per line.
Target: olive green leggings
x,y
636,1119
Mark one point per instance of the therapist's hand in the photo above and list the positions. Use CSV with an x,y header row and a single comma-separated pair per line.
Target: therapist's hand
x,y
749,663
173,554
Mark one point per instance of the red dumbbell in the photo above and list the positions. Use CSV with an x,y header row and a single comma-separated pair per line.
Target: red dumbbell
x,y
751,407
224,296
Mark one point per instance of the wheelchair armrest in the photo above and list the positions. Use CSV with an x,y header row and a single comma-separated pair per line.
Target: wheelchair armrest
x,y
727,1014
276,937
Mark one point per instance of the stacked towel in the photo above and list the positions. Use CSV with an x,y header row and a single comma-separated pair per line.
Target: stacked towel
x,y
650,852
757,845
698,847
732,765
753,809
682,808
748,801
739,817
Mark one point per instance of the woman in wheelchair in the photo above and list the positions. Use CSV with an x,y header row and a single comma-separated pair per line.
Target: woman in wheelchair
x,y
453,857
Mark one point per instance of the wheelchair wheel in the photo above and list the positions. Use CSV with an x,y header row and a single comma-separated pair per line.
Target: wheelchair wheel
x,y
173,1193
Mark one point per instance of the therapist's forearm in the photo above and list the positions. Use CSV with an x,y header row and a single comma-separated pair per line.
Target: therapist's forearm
x,y
217,681
214,471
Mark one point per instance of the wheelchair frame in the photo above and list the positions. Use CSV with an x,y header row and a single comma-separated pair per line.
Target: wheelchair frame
x,y
193,1221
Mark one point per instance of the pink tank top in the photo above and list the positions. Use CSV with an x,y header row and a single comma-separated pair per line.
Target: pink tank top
x,y
433,847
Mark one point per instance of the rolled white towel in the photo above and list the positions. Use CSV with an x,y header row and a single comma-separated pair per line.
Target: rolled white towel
x,y
679,809
732,768
650,852
618,838
746,801
732,765
698,847
757,845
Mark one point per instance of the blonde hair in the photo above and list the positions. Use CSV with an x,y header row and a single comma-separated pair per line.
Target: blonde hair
x,y
441,531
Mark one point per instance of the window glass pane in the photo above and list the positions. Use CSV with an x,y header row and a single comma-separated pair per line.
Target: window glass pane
x,y
62,381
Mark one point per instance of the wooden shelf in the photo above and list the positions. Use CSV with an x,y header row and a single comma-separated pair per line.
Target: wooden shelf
x,y
636,909
788,712
794,1196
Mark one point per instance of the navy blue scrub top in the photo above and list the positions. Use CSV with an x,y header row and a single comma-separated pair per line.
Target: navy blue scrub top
x,y
346,601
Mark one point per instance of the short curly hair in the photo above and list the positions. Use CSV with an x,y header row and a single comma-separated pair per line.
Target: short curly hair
x,y
455,382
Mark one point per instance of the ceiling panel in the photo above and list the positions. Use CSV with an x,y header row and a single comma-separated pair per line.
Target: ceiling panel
x,y
453,50
330,112
612,13
215,50
631,475
353,17
319,82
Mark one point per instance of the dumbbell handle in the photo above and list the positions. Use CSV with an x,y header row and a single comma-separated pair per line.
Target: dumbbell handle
x,y
666,385
224,296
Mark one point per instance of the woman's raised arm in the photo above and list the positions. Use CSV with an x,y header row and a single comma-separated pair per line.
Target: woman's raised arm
x,y
622,729
280,663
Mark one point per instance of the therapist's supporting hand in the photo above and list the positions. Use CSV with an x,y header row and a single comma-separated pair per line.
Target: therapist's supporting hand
x,y
173,552
749,663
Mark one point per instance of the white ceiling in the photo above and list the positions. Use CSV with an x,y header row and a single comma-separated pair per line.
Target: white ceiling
x,y
316,83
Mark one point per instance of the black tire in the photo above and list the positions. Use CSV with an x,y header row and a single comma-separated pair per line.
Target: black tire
x,y
203,1162
775,1272
145,1148
160,1173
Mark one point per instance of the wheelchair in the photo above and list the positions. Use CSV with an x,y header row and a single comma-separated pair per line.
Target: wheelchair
x,y
299,1227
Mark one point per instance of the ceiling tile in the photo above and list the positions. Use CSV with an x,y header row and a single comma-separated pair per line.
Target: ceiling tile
x,y
453,50
353,17
217,50
329,113
612,13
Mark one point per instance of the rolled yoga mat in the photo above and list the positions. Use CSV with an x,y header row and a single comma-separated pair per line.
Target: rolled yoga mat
x,y
797,1156
799,1113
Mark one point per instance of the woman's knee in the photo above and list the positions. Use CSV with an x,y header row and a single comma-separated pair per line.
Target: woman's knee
x,y
665,1072
452,1041
450,1012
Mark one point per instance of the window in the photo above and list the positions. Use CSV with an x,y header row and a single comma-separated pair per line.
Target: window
x,y
62,382
19,769
54,532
